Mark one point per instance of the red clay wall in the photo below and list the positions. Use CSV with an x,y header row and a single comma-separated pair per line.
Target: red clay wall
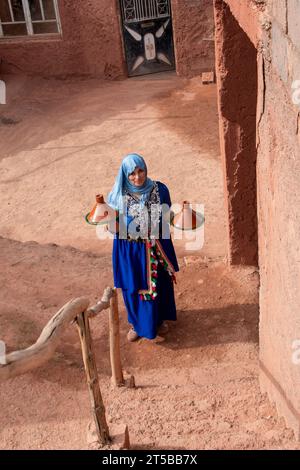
x,y
193,25
237,98
275,31
90,45
279,211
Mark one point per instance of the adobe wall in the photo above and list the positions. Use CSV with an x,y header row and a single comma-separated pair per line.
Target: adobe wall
x,y
236,68
273,28
193,26
279,211
90,45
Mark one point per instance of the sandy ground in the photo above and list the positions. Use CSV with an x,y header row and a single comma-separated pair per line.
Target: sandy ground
x,y
61,142
71,137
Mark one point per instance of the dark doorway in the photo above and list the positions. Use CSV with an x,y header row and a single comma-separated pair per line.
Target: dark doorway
x,y
148,36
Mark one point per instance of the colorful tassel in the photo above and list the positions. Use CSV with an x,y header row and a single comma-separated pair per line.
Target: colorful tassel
x,y
155,257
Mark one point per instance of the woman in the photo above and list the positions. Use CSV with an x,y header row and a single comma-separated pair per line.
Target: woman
x,y
144,259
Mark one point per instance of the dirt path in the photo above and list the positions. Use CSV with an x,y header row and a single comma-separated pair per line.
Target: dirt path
x,y
69,142
199,387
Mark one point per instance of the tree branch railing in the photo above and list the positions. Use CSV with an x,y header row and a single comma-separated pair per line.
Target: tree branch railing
x,y
77,311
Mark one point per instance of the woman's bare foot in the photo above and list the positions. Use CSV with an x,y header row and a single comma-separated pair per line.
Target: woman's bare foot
x,y
132,335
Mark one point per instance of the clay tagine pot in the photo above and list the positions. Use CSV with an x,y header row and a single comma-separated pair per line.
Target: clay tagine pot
x,y
187,218
101,214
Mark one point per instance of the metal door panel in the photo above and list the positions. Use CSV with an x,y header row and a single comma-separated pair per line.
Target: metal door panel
x,y
148,36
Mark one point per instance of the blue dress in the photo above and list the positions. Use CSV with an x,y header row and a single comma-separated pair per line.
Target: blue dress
x,y
145,270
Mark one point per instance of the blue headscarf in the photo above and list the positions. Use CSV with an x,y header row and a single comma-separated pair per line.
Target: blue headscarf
x,y
129,164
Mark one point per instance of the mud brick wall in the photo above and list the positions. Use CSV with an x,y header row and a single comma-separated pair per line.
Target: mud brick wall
x,y
279,209
193,25
273,29
90,44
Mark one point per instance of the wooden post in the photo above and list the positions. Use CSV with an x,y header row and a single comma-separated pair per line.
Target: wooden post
x,y
98,409
25,360
114,341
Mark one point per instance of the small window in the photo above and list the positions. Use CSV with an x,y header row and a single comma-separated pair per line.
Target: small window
x,y
28,18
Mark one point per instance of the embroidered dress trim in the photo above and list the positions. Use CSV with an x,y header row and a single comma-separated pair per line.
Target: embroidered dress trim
x,y
154,255
146,217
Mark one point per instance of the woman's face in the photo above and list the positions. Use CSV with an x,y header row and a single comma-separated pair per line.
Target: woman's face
x,y
137,177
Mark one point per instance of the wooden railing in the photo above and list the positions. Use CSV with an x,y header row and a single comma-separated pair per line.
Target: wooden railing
x,y
77,312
